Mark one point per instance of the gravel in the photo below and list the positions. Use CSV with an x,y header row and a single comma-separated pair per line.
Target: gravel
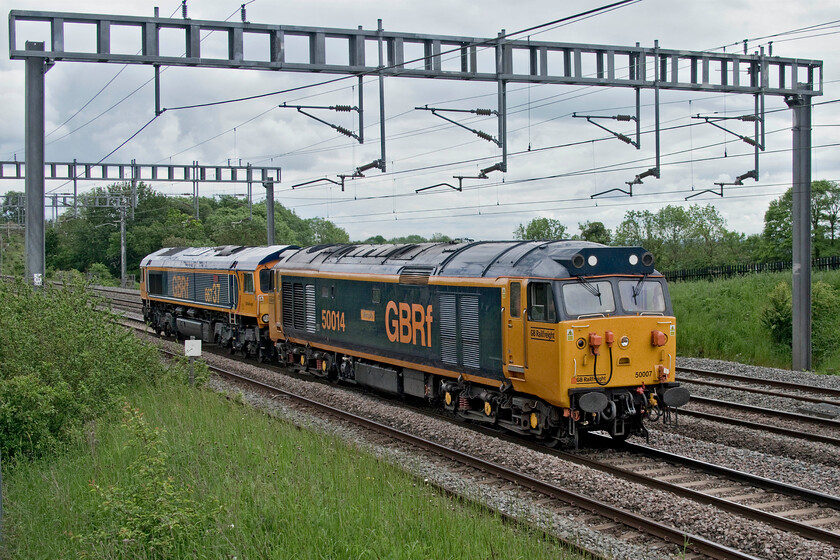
x,y
761,454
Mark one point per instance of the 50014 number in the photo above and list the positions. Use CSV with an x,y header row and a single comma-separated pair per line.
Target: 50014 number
x,y
332,320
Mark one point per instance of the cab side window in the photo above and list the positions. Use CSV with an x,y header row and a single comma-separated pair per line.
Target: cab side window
x,y
541,302
248,282
515,299
265,280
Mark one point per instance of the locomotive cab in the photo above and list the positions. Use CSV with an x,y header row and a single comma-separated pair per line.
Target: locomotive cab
x,y
599,344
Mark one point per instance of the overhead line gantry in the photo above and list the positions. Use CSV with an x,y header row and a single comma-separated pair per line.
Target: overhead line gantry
x,y
637,67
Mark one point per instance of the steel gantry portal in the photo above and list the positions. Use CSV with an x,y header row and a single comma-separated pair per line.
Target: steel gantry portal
x,y
637,67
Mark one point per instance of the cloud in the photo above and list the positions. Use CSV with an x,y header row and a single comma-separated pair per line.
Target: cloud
x,y
422,150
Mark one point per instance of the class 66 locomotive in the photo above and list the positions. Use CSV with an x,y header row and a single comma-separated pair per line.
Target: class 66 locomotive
x,y
546,339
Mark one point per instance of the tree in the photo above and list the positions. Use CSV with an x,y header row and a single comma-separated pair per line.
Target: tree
x,y
595,232
324,231
825,217
541,229
681,238
639,228
13,214
376,240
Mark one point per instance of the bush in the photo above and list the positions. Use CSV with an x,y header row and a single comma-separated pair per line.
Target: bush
x,y
62,363
825,305
777,317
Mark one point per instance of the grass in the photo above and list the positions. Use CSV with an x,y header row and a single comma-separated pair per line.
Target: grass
x,y
285,493
720,319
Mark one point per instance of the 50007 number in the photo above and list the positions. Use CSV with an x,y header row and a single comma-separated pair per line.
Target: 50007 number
x,y
332,320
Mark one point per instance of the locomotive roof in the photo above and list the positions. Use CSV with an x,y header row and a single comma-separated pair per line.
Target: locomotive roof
x,y
546,259
235,257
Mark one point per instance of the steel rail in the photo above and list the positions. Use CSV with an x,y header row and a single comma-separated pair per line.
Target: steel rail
x,y
753,514
762,381
759,391
759,481
827,422
760,426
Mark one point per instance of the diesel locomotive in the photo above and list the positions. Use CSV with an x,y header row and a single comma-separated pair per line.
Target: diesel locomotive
x,y
216,294
549,339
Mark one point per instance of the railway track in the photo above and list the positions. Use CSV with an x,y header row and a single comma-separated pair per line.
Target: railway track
x,y
816,419
612,514
748,384
796,510
803,432
810,514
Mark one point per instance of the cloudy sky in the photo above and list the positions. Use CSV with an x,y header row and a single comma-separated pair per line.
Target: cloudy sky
x,y
557,162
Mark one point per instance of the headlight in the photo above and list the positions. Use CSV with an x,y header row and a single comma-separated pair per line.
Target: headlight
x,y
265,318
624,342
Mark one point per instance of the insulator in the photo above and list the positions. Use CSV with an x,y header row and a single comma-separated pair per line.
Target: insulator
x,y
624,118
343,108
483,112
344,131
484,135
749,118
749,140
624,138
242,13
184,9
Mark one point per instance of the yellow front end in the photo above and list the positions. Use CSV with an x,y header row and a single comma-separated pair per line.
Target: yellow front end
x,y
616,352
620,351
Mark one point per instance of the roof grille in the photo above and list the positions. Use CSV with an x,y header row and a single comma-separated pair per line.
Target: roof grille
x,y
416,275
228,250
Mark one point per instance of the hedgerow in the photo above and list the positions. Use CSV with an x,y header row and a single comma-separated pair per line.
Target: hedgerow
x,y
63,362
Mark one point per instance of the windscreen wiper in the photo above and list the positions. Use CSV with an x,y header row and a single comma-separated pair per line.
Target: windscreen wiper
x,y
637,289
591,289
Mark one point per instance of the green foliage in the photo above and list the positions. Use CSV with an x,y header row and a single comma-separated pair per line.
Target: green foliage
x,y
541,229
596,232
159,221
825,309
825,223
30,414
151,516
777,316
414,238
749,319
287,492
682,238
62,362
99,273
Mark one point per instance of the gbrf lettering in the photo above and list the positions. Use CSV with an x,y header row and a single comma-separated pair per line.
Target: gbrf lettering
x,y
409,324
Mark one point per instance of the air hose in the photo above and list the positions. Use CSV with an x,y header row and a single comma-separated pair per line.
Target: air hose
x,y
595,368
